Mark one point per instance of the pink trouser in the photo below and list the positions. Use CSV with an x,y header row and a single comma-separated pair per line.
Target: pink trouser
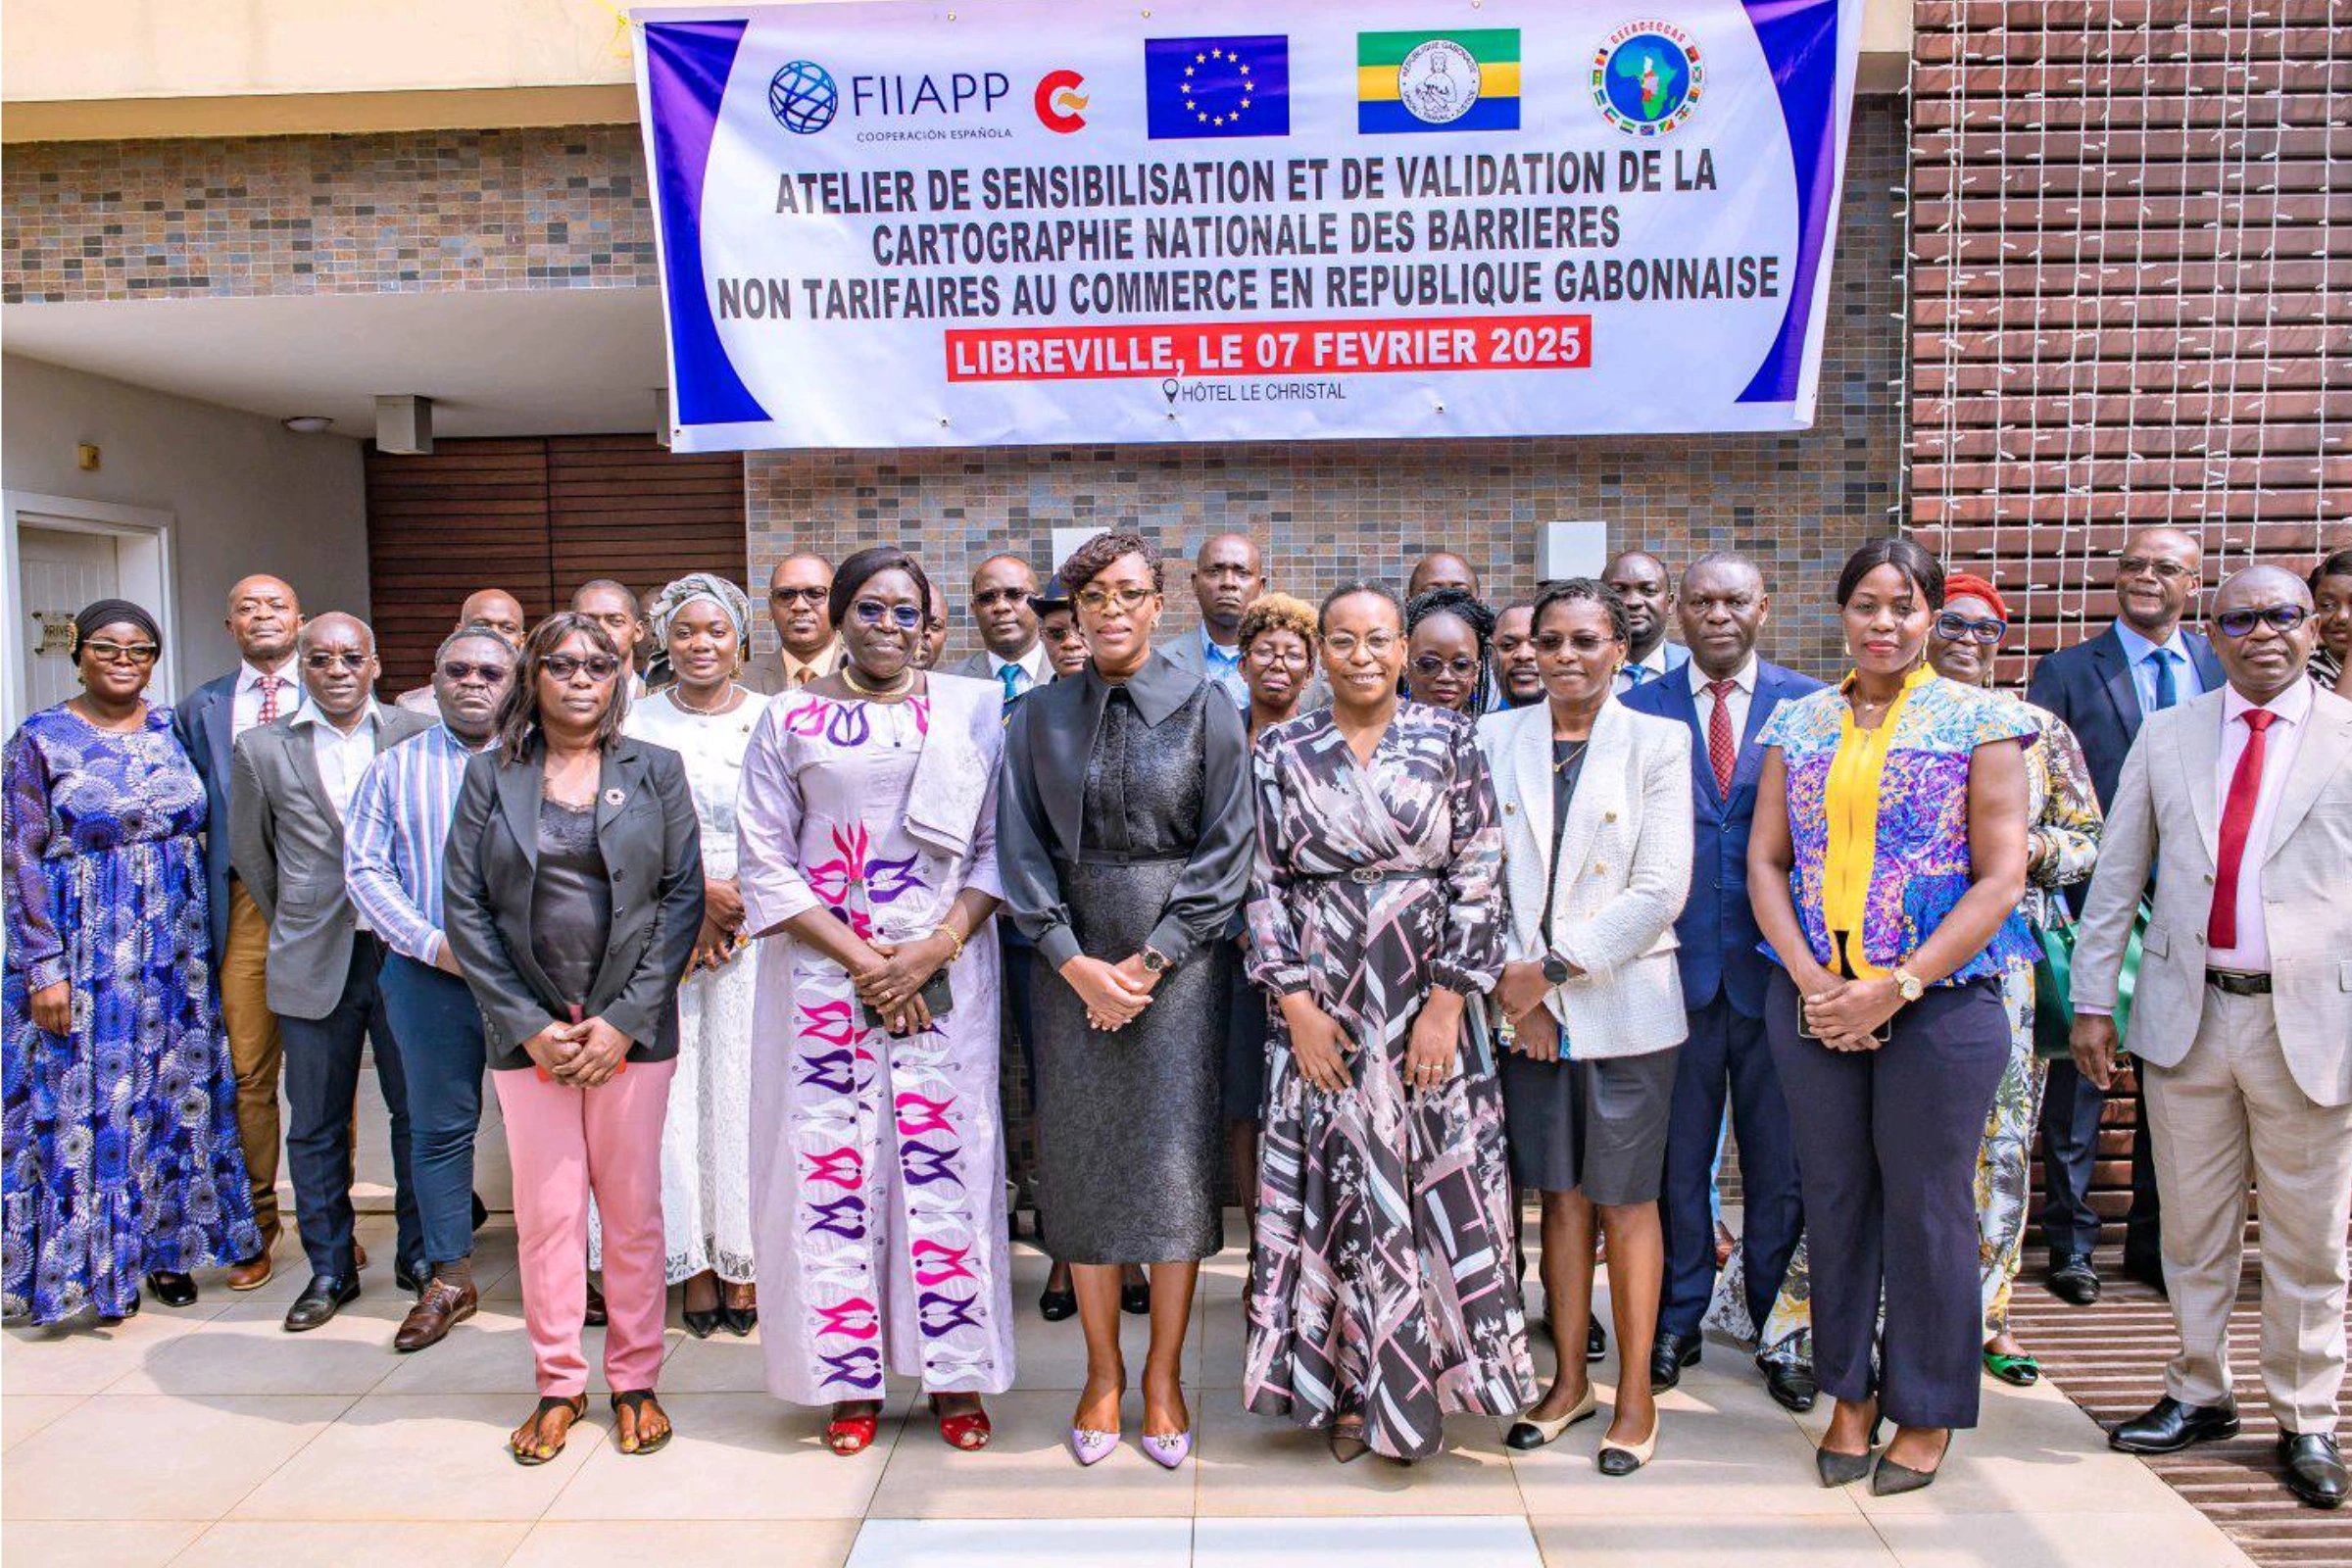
x,y
564,1142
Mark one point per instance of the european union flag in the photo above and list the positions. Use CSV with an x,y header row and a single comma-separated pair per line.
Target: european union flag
x,y
1217,86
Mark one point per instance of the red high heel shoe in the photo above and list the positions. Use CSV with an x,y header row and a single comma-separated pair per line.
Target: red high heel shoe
x,y
969,1430
851,1434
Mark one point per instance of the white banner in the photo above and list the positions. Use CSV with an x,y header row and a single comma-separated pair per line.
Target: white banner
x,y
1032,222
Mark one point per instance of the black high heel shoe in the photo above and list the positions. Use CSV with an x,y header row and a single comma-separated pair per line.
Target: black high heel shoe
x,y
1054,1305
702,1325
1845,1469
740,1320
1891,1480
1136,1299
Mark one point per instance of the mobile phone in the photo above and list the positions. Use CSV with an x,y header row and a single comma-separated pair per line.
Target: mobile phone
x,y
1884,1034
937,995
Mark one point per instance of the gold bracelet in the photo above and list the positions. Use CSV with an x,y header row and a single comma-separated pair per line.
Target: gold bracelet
x,y
945,931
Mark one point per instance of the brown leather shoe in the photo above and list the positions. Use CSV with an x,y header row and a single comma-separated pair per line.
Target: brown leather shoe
x,y
359,1257
252,1274
440,1307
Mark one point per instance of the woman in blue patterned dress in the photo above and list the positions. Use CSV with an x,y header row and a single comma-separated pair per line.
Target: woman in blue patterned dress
x,y
119,1118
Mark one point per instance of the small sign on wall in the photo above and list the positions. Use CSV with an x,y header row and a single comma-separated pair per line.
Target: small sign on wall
x,y
57,633
1566,550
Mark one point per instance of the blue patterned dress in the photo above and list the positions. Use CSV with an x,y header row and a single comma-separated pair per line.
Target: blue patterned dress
x,y
119,1151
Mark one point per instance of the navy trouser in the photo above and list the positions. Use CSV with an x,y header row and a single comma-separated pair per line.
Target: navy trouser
x,y
440,1033
323,1082
1727,1057
1887,1144
2070,1106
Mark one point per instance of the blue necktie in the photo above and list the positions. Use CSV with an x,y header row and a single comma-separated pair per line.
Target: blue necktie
x,y
1636,674
2167,694
1013,677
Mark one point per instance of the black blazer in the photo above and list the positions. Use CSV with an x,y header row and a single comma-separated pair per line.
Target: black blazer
x,y
203,722
653,849
2090,687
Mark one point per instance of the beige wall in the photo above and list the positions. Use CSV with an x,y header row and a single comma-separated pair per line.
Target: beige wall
x,y
245,494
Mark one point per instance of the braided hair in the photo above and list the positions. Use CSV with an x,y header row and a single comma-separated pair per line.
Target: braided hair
x,y
1473,612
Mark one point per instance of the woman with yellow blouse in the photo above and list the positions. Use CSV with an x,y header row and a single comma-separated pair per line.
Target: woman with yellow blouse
x,y
1885,871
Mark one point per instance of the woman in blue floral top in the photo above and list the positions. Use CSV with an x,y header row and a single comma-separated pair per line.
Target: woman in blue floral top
x,y
1887,870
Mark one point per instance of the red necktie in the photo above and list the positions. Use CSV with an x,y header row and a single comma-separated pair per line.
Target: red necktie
x,y
269,685
2237,821
1722,750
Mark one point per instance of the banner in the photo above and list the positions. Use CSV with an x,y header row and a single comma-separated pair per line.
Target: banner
x,y
901,226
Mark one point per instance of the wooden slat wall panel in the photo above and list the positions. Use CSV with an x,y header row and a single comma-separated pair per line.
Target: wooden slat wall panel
x,y
536,517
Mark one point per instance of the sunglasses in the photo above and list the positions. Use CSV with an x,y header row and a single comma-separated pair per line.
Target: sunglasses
x,y
458,670
332,657
109,652
2281,617
1430,667
1960,629
1001,596
800,596
871,613
1094,600
599,666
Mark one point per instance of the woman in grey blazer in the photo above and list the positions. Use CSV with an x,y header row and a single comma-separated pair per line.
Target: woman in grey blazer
x,y
573,898
1596,830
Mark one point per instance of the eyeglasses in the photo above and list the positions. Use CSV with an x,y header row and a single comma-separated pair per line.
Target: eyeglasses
x,y
871,613
1095,601
1954,628
599,666
1430,667
457,671
330,658
800,596
111,652
2135,566
1265,651
1379,644
1584,642
2281,617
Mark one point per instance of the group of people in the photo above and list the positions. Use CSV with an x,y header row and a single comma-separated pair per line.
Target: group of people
x,y
1388,910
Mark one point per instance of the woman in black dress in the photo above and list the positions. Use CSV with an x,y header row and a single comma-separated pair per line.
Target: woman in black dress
x,y
1123,838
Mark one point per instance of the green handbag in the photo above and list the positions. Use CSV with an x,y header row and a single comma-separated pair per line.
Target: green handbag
x,y
2053,978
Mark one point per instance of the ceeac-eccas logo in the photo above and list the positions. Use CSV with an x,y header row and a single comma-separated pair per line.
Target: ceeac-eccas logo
x,y
1060,103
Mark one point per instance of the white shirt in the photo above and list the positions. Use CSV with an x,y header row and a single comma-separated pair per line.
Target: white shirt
x,y
245,710
1743,691
1032,662
1662,660
342,758
2280,742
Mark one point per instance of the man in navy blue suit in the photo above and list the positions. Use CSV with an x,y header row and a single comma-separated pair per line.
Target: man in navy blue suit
x,y
1725,693
2145,661
264,618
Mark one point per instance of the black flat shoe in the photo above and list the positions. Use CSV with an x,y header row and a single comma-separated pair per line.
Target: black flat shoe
x,y
1054,1305
1792,1387
1597,1341
2315,1469
1891,1480
319,1301
171,1290
1672,1353
2168,1426
2073,1281
1136,1299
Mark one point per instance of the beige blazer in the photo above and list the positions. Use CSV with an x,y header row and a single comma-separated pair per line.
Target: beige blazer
x,y
2166,820
1622,874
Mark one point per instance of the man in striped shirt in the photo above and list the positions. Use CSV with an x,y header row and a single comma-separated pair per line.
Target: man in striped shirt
x,y
400,818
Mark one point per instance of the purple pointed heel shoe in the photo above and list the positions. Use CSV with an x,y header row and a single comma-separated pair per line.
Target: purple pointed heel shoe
x,y
1092,1447
1169,1452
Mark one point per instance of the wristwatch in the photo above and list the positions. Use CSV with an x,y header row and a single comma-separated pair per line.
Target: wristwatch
x,y
1556,967
1154,960
1908,986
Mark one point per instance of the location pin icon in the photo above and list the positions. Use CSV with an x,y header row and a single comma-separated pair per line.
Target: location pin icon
x,y
1167,389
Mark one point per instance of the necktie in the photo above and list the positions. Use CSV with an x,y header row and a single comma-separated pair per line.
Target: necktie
x,y
2167,694
269,685
1722,750
1636,674
2237,821
803,674
1016,681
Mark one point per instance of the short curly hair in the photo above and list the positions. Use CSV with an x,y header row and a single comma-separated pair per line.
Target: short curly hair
x,y
1093,558
1277,612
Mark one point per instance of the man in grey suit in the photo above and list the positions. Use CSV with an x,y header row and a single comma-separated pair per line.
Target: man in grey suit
x,y
1227,577
2239,804
1010,652
294,783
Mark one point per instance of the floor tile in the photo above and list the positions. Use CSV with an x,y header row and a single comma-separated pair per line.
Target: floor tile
x,y
23,1414
735,1456
241,1543
731,1544
220,1448
1266,1467
1677,1541
84,1359
719,1364
489,1353
1733,1458
1022,1543
2178,1536
1393,1543
239,1355
96,1543
406,1456
1027,1470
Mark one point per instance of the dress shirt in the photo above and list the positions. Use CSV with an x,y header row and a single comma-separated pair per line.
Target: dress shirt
x,y
393,840
779,672
2279,746
1662,659
1743,692
343,756
245,709
1222,666
1033,665
2137,649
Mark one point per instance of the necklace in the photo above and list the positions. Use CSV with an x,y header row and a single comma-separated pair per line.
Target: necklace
x,y
726,700
899,687
1563,764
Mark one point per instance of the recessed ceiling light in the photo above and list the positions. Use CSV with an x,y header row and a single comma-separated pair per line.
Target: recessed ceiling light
x,y
309,423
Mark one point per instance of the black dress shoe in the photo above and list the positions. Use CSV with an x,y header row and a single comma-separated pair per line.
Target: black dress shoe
x,y
595,1315
481,1211
171,1290
2073,1281
2315,1470
1597,1341
1136,1299
1054,1305
2169,1426
1668,1357
319,1301
411,1277
1792,1387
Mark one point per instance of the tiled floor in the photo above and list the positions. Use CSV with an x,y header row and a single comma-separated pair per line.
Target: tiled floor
x,y
211,1437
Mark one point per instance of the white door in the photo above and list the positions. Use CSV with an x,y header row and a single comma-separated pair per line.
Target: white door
x,y
61,571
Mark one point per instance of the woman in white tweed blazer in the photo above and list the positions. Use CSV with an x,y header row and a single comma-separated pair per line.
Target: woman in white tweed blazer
x,y
1595,808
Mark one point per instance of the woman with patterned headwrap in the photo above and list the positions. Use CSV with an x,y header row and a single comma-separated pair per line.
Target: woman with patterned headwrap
x,y
118,1152
707,716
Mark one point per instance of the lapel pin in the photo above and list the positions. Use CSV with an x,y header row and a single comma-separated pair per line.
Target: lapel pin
x,y
613,797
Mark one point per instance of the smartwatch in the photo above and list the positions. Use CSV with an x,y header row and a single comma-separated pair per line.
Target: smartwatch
x,y
1555,968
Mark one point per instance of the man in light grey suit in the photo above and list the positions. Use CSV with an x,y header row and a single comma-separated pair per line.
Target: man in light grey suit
x,y
1011,654
2239,804
294,783
1227,577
